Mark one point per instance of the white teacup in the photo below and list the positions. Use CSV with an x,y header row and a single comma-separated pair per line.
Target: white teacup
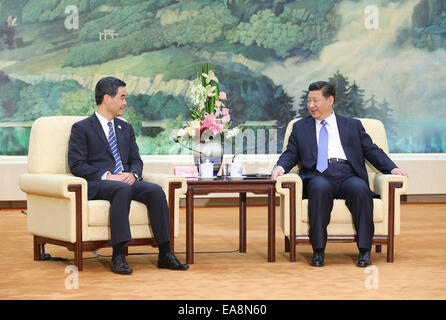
x,y
206,170
236,169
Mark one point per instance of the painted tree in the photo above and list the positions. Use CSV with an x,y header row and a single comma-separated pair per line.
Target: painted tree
x,y
354,106
341,85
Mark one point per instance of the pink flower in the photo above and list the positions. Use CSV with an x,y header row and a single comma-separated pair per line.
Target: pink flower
x,y
217,110
211,122
225,111
218,103
222,95
217,127
226,119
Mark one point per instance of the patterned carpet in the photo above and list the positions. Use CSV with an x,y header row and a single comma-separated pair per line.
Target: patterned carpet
x,y
221,272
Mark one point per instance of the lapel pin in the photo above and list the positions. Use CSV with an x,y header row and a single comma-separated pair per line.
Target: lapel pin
x,y
119,126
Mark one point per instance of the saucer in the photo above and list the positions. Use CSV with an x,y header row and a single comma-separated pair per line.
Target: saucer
x,y
241,177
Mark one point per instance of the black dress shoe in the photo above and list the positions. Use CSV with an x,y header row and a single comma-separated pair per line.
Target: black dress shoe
x,y
318,258
169,261
364,258
119,265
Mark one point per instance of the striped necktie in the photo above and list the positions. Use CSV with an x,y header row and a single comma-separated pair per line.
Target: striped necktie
x,y
114,148
322,149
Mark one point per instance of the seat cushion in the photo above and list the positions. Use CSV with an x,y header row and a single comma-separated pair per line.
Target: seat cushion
x,y
341,214
99,213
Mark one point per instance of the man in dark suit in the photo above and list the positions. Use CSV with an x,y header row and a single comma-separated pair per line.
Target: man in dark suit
x,y
332,150
103,150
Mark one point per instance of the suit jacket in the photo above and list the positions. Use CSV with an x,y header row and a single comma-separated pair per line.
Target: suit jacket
x,y
90,156
357,145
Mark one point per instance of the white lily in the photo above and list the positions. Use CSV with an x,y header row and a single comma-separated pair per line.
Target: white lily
x,y
210,76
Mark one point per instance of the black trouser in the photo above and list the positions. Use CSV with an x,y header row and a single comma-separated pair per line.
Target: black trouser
x,y
339,181
121,194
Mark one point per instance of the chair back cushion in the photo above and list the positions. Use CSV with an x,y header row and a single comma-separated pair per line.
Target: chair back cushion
x,y
376,131
374,128
48,144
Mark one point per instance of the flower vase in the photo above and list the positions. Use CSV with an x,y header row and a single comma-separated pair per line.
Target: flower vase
x,y
210,150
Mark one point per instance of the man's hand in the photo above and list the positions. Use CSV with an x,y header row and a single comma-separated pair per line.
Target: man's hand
x,y
126,177
278,171
399,172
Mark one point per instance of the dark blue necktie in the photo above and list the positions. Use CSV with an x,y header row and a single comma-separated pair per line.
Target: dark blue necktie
x,y
114,148
322,149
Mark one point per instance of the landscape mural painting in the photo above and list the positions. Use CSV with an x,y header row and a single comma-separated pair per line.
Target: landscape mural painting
x,y
386,58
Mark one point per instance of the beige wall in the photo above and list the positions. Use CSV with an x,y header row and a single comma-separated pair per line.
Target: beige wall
x,y
427,172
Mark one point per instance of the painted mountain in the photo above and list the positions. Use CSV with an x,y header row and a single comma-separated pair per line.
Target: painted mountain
x,y
386,58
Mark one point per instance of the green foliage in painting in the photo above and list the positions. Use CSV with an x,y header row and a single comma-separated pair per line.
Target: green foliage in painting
x,y
42,99
77,103
195,29
294,30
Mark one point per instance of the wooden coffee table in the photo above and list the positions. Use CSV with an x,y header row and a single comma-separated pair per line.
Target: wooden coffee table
x,y
203,186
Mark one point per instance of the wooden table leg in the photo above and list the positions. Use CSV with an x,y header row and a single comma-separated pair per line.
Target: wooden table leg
x,y
272,225
242,222
190,226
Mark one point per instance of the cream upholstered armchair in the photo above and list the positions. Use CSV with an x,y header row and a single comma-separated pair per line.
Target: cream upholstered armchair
x,y
58,209
386,212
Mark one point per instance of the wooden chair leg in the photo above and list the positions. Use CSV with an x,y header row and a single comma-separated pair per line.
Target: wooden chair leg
x,y
391,223
37,249
78,256
378,248
287,244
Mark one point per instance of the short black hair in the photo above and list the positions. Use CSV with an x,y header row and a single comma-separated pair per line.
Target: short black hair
x,y
108,85
327,88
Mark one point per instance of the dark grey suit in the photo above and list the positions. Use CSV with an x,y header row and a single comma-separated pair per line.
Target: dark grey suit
x,y
90,156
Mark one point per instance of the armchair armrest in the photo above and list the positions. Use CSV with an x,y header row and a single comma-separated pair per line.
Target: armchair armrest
x,y
56,205
289,177
381,184
390,187
289,212
49,184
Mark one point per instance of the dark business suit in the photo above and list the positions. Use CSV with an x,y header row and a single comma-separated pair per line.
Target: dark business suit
x,y
347,181
90,156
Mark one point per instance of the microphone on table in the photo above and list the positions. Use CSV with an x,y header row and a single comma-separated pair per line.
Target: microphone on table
x,y
176,140
184,146
243,151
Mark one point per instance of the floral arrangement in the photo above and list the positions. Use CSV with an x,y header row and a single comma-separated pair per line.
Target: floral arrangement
x,y
210,116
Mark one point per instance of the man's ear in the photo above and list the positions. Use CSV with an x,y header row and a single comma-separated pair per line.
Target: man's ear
x,y
107,98
331,100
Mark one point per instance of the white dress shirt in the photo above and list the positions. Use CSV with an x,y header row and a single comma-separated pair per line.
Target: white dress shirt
x,y
335,149
104,124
